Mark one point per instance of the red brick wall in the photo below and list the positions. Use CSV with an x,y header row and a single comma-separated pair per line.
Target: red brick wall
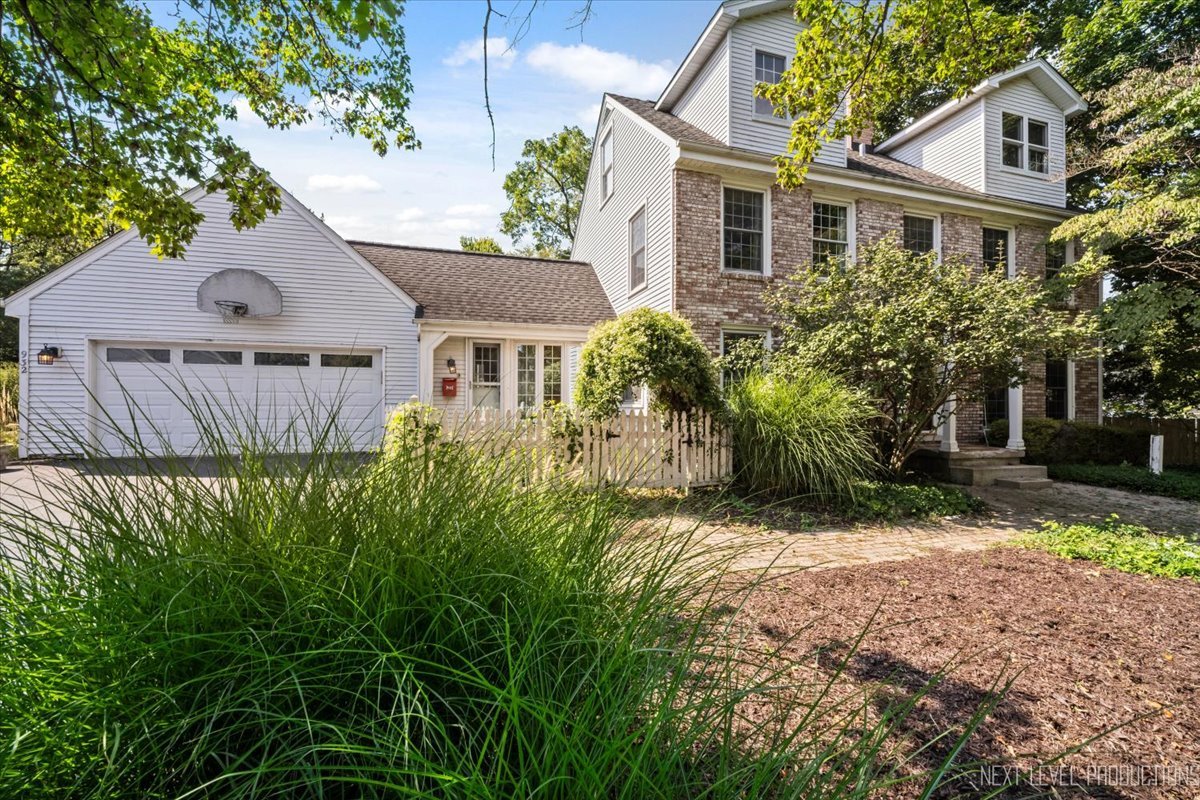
x,y
712,299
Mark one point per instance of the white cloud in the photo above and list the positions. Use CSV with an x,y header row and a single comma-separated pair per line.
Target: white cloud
x,y
411,214
344,184
500,53
469,210
588,116
599,70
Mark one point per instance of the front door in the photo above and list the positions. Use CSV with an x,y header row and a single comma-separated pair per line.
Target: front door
x,y
485,375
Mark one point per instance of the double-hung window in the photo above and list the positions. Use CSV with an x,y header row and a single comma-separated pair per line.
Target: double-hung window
x,y
1058,388
637,250
995,249
606,166
744,225
768,68
1024,143
830,233
919,234
1056,259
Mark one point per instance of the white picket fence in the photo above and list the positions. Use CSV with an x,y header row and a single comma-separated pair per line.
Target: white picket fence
x,y
634,448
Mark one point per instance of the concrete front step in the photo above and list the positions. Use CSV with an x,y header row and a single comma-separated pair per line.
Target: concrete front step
x,y
986,476
1024,483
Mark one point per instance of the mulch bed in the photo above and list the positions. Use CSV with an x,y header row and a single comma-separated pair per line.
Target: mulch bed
x,y
1094,648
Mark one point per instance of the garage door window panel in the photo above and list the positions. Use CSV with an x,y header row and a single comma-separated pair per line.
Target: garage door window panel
x,y
281,359
137,355
215,357
346,361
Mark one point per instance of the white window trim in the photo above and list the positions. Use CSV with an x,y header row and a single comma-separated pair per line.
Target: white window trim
x,y
754,112
1010,258
1025,146
937,229
851,224
766,248
611,137
642,209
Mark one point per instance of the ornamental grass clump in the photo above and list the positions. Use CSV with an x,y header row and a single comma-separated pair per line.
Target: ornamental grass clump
x,y
799,432
425,622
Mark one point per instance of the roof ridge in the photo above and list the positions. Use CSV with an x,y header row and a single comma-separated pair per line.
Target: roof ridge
x,y
425,248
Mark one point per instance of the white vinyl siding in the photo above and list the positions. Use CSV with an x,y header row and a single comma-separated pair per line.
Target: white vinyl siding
x,y
329,299
706,102
644,169
1023,98
952,149
767,33
452,347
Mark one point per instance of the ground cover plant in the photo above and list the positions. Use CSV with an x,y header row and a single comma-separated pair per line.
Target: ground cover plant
x,y
427,622
1181,483
1129,548
891,502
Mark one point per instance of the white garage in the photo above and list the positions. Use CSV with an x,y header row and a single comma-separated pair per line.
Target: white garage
x,y
162,395
270,332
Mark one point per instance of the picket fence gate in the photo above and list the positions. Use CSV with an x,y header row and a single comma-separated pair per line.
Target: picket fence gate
x,y
639,449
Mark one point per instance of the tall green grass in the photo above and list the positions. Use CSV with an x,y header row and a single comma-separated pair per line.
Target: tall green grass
x,y
799,432
422,623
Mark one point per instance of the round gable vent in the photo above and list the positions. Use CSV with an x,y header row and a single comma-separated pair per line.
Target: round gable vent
x,y
239,293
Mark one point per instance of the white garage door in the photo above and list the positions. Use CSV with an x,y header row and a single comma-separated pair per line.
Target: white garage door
x,y
165,395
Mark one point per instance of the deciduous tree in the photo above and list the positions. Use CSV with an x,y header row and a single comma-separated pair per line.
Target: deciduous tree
x,y
479,244
545,190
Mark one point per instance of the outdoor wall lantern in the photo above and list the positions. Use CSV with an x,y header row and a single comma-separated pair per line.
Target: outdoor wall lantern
x,y
48,354
451,367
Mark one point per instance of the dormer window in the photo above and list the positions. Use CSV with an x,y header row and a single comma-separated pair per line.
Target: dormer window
x,y
606,166
768,68
1025,143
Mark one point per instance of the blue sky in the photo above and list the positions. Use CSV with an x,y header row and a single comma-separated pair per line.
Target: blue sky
x,y
553,76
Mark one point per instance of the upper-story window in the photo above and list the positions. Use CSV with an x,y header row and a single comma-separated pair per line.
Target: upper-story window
x,y
637,250
606,165
919,234
744,221
830,232
768,68
1025,143
995,249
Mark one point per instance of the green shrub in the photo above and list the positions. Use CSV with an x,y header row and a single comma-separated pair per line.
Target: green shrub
x,y
1049,441
799,433
425,623
1129,548
647,348
1184,484
891,502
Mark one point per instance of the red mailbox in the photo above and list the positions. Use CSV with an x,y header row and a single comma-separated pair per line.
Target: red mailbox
x,y
449,387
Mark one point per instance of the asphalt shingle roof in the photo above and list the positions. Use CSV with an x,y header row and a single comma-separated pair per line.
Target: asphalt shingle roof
x,y
483,287
868,164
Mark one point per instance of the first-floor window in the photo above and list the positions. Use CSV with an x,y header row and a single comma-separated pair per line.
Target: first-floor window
x,y
1056,259
744,222
637,250
995,249
995,405
919,234
830,233
539,375
740,341
1057,389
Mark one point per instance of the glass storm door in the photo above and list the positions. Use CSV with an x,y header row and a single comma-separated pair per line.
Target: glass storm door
x,y
485,375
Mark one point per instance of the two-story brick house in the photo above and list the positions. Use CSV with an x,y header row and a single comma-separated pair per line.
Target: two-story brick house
x,y
681,210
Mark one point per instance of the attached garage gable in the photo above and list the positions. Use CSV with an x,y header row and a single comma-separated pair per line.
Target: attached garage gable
x,y
123,318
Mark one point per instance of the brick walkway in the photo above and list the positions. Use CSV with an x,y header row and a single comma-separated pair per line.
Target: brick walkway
x,y
1010,512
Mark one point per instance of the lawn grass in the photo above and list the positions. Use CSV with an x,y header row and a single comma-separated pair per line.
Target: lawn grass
x,y
1179,483
429,622
1129,548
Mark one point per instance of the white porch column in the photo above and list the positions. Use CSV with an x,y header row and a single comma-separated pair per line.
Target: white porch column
x,y
429,343
1016,416
950,425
